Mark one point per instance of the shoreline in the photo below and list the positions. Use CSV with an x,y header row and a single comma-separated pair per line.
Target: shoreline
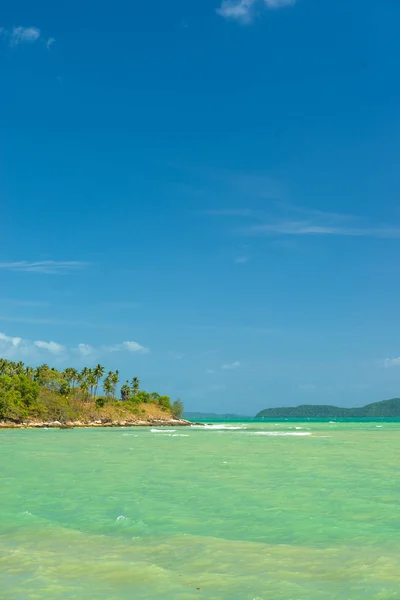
x,y
97,423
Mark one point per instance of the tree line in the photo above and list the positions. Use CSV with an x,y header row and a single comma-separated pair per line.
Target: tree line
x,y
25,389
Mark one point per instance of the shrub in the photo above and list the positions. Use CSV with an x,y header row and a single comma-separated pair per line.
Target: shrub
x,y
101,401
177,409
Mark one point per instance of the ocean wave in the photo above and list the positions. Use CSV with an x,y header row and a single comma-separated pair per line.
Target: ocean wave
x,y
155,430
282,433
219,427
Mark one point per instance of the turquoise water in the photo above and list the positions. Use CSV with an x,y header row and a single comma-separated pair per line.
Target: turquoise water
x,y
236,511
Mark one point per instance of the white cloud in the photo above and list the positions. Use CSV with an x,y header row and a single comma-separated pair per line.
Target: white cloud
x,y
49,267
128,347
243,11
24,35
15,348
239,10
210,371
231,366
19,348
50,42
391,362
51,347
240,260
20,35
13,341
85,349
134,347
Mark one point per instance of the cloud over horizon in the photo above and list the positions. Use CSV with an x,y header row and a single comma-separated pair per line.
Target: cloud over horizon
x,y
231,366
48,267
13,347
391,362
244,11
24,35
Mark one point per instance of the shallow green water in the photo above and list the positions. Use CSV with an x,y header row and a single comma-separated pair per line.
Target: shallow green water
x,y
268,511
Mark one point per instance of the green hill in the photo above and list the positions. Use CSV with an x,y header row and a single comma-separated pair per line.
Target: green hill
x,y
385,408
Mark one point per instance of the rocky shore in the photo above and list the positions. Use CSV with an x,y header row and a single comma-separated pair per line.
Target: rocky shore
x,y
97,423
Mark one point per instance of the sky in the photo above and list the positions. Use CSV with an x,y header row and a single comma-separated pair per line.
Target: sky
x,y
205,196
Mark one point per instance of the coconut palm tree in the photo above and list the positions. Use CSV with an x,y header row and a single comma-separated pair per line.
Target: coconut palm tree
x,y
92,381
98,372
135,385
84,387
114,380
107,385
30,372
19,368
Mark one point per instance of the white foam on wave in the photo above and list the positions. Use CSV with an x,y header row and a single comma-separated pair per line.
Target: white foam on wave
x,y
180,435
282,433
155,430
219,427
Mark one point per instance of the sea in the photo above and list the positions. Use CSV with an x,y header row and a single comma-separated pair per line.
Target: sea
x,y
242,510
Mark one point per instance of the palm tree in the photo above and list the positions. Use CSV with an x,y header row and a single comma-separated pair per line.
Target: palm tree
x,y
98,372
84,387
125,391
107,385
30,372
114,380
92,381
135,385
3,366
74,377
19,368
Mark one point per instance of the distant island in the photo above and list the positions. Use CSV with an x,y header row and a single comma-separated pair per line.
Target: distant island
x,y
202,416
44,396
385,408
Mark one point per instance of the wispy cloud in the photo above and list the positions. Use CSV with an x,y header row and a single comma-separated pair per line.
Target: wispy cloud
x,y
127,347
176,355
240,260
24,35
304,228
28,303
48,267
391,362
244,11
231,366
281,219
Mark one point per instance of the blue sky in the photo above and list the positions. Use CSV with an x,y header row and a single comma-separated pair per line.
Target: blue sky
x,y
204,195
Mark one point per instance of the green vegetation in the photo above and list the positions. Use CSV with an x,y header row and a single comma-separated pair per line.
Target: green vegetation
x,y
385,408
177,409
47,394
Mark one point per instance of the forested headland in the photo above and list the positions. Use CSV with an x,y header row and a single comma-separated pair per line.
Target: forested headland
x,y
46,394
376,410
